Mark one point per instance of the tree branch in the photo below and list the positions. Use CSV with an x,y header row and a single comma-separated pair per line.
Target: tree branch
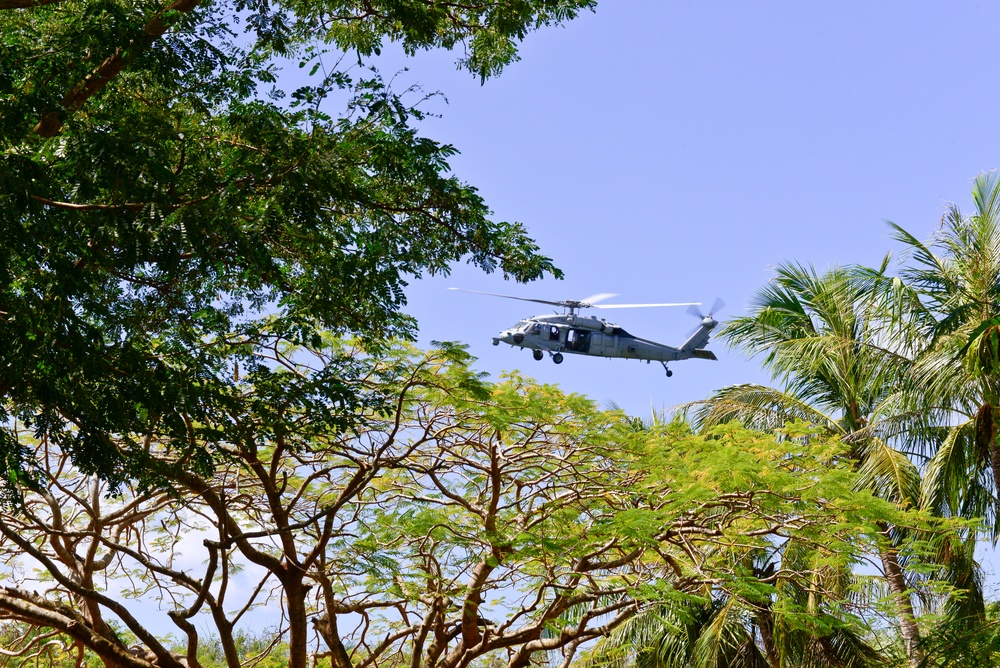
x,y
25,4
52,121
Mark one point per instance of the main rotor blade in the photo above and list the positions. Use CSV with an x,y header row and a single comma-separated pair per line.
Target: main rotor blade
x,y
644,305
523,299
599,297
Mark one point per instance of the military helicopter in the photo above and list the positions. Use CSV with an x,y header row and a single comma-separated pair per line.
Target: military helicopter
x,y
569,332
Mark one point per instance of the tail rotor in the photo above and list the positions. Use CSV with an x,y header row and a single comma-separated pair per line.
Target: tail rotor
x,y
717,306
706,320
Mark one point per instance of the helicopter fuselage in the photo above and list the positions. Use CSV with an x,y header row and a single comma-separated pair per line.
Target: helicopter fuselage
x,y
587,335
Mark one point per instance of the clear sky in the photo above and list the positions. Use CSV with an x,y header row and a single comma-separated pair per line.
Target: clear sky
x,y
676,151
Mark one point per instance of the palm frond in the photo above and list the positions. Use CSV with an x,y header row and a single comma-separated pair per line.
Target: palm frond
x,y
723,641
757,407
659,637
889,474
957,482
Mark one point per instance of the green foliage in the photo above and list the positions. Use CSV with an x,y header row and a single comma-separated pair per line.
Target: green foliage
x,y
848,345
798,486
257,648
489,32
168,212
767,532
508,517
953,643
982,352
24,644
951,305
818,334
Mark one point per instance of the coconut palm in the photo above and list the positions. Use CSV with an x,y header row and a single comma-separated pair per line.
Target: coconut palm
x,y
759,626
951,297
712,628
824,337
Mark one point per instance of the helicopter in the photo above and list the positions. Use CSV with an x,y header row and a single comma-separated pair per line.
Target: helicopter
x,y
569,332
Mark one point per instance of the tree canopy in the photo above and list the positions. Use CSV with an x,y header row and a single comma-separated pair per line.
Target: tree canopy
x,y
168,210
475,522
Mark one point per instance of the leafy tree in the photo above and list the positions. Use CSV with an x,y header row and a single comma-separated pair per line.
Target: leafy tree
x,y
949,299
824,338
168,210
791,599
342,525
471,522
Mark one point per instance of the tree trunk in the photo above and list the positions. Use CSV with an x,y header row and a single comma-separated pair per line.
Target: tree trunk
x,y
298,631
901,596
765,622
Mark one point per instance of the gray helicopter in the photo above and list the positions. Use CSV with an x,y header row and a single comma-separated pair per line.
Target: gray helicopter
x,y
569,332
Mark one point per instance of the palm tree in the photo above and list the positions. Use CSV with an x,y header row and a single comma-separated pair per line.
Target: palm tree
x,y
951,304
715,629
823,337
760,626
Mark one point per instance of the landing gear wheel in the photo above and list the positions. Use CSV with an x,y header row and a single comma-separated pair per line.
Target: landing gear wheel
x,y
557,358
669,373
537,354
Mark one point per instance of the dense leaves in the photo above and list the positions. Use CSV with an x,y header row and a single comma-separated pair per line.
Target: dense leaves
x,y
903,367
476,522
168,210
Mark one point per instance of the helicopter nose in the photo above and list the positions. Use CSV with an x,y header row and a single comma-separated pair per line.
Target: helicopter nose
x,y
519,338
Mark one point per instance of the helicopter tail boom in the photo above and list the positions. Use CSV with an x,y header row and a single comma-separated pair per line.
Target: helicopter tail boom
x,y
700,337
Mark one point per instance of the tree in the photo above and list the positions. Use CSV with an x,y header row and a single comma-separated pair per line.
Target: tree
x,y
472,522
823,337
785,601
726,631
949,299
168,210
396,523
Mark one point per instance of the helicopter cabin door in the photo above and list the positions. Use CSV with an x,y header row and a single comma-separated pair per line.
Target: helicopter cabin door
x,y
578,341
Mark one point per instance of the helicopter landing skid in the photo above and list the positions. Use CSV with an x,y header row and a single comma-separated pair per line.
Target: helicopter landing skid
x,y
669,372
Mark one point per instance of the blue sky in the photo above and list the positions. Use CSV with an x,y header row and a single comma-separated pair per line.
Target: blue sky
x,y
677,151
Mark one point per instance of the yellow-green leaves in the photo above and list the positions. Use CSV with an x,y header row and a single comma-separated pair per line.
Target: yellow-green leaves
x,y
501,516
982,352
